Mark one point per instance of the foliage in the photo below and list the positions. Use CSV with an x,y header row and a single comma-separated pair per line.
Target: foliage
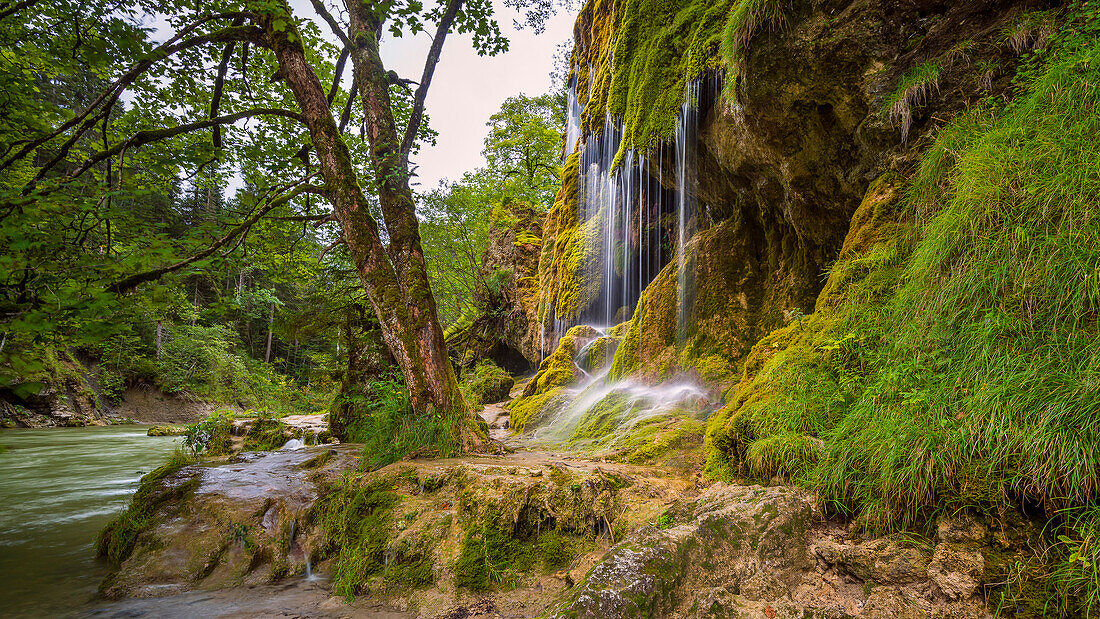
x,y
522,166
389,428
211,436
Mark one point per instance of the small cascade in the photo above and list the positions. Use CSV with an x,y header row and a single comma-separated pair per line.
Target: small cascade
x,y
293,444
599,402
637,211
573,117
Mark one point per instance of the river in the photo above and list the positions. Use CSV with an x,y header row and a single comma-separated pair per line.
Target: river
x,y
58,487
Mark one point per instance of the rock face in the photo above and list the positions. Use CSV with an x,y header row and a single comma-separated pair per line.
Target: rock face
x,y
785,155
738,541
533,535
505,330
748,551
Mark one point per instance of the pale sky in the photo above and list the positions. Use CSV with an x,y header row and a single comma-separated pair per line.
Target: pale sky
x,y
467,89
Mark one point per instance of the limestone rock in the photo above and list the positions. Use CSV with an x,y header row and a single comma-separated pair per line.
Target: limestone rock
x,y
885,560
957,570
742,544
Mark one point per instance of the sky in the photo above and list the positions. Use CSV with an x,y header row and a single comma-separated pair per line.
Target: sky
x,y
467,89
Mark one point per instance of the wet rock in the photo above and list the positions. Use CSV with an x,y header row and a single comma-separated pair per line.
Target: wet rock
x,y
211,527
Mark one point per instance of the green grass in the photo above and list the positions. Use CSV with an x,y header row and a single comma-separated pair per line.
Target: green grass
x,y
953,361
384,421
912,91
746,19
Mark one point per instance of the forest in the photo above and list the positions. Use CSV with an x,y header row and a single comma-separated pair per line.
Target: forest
x,y
781,308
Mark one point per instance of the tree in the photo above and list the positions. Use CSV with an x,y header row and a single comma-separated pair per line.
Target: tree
x,y
523,149
270,40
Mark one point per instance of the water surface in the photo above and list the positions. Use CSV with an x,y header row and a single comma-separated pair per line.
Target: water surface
x,y
58,487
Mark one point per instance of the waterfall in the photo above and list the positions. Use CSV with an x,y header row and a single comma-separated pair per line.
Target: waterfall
x,y
632,221
625,405
686,146
573,117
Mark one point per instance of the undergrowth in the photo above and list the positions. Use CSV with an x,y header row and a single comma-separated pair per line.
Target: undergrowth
x,y
384,421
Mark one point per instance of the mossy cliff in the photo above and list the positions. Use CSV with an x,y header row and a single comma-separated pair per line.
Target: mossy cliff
x,y
948,362
504,328
895,273
784,156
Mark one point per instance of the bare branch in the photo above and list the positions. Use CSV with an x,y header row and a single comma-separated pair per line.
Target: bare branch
x,y
338,74
322,10
430,62
219,85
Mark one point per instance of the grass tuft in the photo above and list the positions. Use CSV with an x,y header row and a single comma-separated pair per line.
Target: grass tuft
x,y
913,90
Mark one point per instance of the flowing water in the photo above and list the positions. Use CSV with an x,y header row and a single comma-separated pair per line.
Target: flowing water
x,y
631,403
58,487
637,210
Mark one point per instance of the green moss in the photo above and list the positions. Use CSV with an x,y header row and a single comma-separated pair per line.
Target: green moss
x,y
167,431
117,540
493,555
265,434
555,372
487,383
528,410
357,519
950,358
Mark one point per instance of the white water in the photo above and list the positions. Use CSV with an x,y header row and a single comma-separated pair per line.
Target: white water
x,y
636,403
635,218
293,444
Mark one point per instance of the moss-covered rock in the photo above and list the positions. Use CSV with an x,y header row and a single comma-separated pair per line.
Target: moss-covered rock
x,y
167,431
486,384
555,372
503,327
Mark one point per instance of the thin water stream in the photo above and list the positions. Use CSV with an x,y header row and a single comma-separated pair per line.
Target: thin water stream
x,y
58,487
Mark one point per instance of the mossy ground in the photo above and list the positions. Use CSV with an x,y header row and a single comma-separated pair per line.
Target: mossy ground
x,y
486,383
116,541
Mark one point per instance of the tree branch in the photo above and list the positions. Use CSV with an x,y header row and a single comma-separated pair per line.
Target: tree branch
x,y
430,62
129,283
109,96
10,8
219,85
148,136
322,10
338,74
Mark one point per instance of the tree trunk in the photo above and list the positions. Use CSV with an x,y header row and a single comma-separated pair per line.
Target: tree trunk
x,y
270,320
160,338
395,280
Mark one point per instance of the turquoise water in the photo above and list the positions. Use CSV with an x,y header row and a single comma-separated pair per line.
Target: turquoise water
x,y
58,487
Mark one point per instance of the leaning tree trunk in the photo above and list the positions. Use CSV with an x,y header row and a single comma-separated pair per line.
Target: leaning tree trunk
x,y
398,210
395,280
